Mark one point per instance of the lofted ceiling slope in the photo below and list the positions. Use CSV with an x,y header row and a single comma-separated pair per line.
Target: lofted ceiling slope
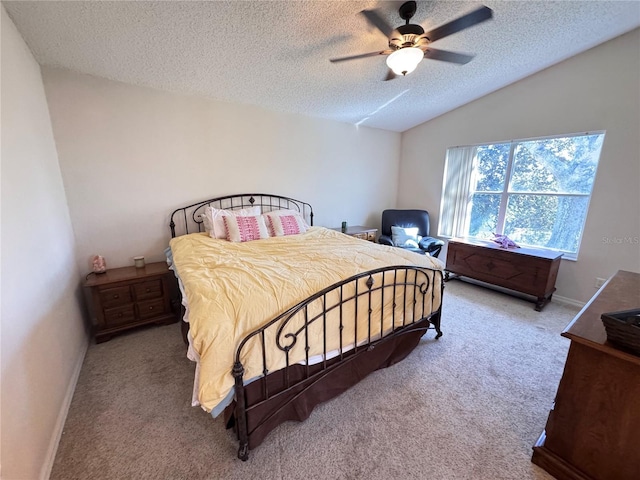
x,y
275,54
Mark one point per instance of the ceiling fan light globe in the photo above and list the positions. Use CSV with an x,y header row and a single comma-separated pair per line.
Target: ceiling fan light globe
x,y
405,60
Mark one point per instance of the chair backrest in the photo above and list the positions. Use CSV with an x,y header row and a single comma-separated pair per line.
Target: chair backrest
x,y
405,218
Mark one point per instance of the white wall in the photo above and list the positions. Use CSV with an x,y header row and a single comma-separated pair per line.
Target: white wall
x,y
131,155
43,336
596,90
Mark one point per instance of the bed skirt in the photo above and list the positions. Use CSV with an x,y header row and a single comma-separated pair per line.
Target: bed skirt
x,y
298,402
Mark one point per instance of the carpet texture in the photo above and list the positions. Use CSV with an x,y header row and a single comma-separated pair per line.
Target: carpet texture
x,y
467,406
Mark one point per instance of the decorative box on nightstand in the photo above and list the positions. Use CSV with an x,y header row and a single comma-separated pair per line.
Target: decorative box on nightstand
x,y
358,231
127,297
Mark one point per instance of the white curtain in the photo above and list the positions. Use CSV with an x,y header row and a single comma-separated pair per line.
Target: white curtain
x,y
456,192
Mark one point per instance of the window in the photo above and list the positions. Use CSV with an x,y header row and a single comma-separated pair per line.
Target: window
x,y
535,191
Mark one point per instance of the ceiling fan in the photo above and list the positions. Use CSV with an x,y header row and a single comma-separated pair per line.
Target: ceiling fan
x,y
409,43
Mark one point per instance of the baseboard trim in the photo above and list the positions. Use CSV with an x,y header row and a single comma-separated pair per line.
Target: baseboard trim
x,y
555,298
568,301
45,473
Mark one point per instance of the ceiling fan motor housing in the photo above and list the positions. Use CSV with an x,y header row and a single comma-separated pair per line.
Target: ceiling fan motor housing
x,y
406,36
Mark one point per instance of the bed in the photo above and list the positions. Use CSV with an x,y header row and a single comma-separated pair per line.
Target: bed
x,y
280,324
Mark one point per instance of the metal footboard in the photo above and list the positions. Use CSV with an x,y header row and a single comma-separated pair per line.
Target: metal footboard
x,y
361,312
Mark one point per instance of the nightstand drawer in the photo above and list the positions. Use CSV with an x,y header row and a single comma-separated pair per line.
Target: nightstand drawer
x,y
146,290
369,236
119,315
112,297
151,308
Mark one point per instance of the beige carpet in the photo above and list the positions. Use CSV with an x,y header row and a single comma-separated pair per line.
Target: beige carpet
x,y
468,406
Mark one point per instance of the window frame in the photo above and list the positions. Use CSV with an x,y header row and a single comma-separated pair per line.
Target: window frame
x,y
506,192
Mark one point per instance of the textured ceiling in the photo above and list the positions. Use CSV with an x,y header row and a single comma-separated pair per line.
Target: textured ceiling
x,y
275,54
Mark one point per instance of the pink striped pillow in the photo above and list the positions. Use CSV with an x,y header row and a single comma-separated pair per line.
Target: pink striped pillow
x,y
281,225
244,229
212,219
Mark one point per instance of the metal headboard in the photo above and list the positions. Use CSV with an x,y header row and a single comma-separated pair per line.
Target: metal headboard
x,y
189,221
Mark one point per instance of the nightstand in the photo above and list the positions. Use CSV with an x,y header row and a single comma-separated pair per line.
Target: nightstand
x,y
358,231
127,297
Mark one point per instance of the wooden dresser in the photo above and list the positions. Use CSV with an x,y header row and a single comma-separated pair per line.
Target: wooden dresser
x,y
358,231
124,298
532,271
593,430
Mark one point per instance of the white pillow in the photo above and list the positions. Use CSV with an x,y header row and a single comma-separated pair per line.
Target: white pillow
x,y
405,236
280,225
241,228
214,224
206,221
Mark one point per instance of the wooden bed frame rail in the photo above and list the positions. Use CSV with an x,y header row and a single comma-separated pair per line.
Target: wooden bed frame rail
x,y
261,404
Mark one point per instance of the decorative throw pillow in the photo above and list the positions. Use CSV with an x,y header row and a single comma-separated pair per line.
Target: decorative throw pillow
x,y
214,224
244,228
286,212
405,236
281,225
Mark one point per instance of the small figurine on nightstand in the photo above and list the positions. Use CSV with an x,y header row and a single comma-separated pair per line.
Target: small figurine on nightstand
x,y
99,264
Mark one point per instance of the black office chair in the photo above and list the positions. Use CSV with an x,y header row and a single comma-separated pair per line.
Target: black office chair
x,y
408,219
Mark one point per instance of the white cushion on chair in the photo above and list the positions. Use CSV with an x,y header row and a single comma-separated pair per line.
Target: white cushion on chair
x,y
406,237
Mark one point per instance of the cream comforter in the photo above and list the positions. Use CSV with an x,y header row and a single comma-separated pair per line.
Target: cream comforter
x,y
233,288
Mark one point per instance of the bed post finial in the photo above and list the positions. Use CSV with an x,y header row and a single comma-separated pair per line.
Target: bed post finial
x,y
240,413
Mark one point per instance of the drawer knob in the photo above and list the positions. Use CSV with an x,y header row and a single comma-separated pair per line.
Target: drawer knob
x,y
148,290
120,314
116,296
150,308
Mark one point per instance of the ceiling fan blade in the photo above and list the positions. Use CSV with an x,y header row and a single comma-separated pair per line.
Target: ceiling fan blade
x,y
390,75
446,56
362,55
466,21
377,21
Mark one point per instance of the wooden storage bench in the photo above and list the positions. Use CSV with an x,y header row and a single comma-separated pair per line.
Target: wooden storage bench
x,y
531,271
